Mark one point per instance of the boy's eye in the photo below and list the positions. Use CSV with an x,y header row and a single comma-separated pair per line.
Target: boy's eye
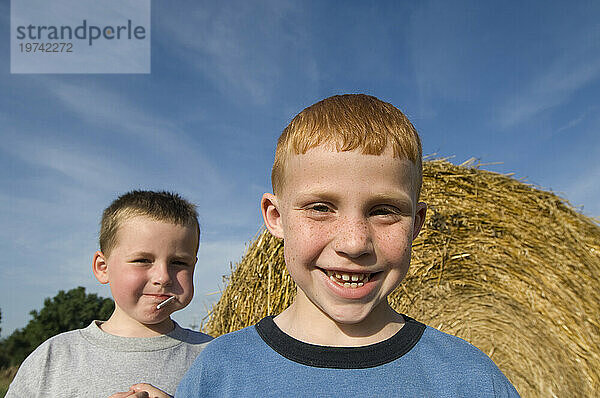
x,y
141,260
319,208
385,211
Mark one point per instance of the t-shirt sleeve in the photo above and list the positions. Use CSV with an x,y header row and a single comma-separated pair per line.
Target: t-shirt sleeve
x,y
491,376
502,386
28,379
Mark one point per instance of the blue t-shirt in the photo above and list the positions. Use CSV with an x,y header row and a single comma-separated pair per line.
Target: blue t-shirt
x,y
418,361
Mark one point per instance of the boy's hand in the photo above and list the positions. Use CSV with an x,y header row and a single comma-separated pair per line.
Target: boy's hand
x,y
129,394
142,390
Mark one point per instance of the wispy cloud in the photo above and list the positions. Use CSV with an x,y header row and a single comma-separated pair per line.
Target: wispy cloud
x,y
114,117
583,188
66,159
578,119
104,106
242,48
571,71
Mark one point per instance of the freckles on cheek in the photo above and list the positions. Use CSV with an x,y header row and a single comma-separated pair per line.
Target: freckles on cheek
x,y
395,242
307,228
305,234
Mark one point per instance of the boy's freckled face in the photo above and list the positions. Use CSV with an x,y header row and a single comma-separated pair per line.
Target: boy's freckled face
x,y
348,222
151,261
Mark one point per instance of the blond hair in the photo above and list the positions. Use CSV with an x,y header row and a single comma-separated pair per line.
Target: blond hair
x,y
346,123
159,206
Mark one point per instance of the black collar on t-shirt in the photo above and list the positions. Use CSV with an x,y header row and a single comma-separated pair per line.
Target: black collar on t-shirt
x,y
341,357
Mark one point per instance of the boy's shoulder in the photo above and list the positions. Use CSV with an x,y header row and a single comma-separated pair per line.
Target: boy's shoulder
x,y
189,336
450,359
232,345
446,348
65,340
61,346
27,381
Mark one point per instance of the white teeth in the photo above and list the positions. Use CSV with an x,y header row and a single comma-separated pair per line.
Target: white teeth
x,y
350,280
347,280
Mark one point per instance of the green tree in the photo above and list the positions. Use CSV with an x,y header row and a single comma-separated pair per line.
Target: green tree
x,y
66,311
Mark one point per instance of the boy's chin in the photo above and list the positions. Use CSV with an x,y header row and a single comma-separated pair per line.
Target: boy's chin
x,y
355,315
348,321
348,316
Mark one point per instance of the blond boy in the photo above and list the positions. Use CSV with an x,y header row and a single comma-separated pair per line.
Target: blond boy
x,y
345,201
148,246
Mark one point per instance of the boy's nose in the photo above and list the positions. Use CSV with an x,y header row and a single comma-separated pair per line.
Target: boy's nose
x,y
161,275
353,238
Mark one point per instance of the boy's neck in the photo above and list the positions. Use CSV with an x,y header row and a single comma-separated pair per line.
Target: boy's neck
x,y
313,326
127,328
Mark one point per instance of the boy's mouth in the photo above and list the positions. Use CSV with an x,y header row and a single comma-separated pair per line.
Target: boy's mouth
x,y
348,279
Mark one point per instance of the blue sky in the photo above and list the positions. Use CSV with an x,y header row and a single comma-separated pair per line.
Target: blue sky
x,y
510,82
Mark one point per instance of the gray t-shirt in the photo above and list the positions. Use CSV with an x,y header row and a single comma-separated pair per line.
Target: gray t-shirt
x,y
92,363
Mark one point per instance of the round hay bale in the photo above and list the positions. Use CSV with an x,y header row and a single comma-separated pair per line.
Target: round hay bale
x,y
510,268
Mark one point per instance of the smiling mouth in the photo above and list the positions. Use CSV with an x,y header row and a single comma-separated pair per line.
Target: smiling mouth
x,y
348,279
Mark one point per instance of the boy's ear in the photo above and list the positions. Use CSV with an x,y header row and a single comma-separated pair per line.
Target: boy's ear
x,y
420,213
271,215
100,267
